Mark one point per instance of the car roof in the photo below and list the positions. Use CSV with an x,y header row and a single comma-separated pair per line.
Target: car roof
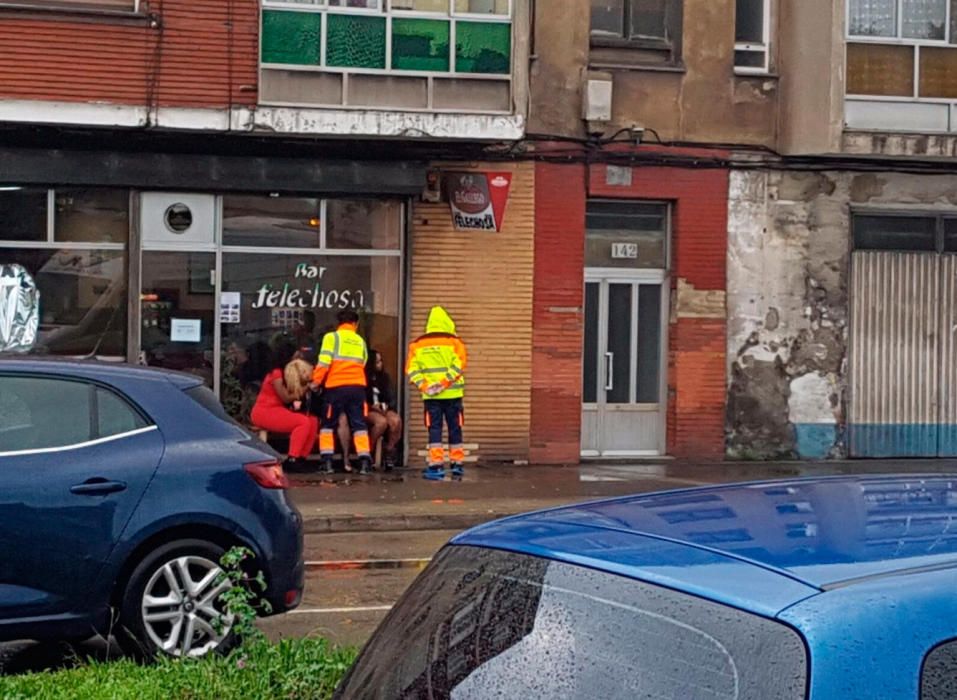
x,y
94,369
774,542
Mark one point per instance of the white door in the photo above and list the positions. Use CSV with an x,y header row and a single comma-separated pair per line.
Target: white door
x,y
623,404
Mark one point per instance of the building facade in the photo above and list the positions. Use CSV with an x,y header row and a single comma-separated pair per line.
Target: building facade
x,y
665,227
637,108
188,183
840,281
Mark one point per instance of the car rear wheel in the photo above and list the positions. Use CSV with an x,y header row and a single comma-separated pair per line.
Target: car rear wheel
x,y
171,604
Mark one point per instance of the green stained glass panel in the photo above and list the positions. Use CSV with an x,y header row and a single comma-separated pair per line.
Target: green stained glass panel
x,y
483,47
291,37
420,44
354,41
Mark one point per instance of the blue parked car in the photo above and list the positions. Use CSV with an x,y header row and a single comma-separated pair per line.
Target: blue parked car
x,y
829,589
120,489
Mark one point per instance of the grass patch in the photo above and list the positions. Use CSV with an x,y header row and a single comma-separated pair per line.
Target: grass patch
x,y
295,669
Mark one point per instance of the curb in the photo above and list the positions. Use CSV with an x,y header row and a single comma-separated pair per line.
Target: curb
x,y
388,523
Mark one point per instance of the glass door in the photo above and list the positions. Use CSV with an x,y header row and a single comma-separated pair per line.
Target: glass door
x,y
623,410
178,283
177,313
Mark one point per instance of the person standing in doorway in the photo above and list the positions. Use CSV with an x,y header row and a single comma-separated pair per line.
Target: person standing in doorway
x,y
341,371
436,366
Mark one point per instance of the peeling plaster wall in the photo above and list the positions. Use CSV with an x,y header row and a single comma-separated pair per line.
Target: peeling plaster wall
x,y
787,300
788,274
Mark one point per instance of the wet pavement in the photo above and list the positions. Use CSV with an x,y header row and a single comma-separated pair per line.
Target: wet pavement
x,y
404,501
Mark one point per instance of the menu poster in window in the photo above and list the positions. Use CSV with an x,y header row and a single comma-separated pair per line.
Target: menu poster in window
x,y
186,330
229,307
478,200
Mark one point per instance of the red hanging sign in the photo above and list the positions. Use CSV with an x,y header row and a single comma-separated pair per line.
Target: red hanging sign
x,y
478,200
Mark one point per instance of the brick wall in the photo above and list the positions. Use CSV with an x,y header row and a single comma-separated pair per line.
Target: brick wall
x,y
557,317
484,280
192,59
696,376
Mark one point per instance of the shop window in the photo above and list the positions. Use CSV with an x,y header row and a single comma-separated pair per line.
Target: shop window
x,y
92,216
23,213
425,41
752,27
363,224
278,222
902,49
295,297
626,233
83,308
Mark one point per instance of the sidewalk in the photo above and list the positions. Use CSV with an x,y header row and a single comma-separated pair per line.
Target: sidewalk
x,y
404,501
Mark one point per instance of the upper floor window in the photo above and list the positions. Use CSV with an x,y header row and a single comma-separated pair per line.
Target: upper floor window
x,y
413,54
630,19
902,49
752,28
635,32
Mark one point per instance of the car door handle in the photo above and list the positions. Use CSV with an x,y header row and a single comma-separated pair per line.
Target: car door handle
x,y
98,487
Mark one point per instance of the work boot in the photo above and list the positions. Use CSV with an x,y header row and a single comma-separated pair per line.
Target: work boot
x,y
434,473
390,461
294,465
458,470
325,466
365,466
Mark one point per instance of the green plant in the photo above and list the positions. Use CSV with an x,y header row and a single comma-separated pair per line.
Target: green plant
x,y
243,599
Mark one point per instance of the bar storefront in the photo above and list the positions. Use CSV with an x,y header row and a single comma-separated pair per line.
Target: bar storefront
x,y
205,283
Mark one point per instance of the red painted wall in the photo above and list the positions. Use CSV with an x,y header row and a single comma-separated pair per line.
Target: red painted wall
x,y
204,53
557,313
696,374
697,346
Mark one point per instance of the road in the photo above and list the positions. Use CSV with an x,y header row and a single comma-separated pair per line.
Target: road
x,y
342,602
352,581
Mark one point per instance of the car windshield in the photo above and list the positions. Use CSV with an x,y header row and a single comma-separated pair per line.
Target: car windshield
x,y
482,623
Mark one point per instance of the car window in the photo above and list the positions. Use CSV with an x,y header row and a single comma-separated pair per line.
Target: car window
x,y
40,413
207,399
114,415
482,623
938,677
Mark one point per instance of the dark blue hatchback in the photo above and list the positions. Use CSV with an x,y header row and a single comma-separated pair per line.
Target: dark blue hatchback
x,y
121,489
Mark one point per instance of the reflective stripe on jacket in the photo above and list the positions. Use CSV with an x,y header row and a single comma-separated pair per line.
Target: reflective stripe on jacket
x,y
438,357
342,358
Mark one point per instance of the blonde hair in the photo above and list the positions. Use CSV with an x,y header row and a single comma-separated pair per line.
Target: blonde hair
x,y
297,376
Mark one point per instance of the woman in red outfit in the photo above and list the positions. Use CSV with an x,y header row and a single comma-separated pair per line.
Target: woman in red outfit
x,y
271,412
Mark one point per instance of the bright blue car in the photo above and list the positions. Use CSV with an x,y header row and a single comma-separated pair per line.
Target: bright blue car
x,y
829,589
120,489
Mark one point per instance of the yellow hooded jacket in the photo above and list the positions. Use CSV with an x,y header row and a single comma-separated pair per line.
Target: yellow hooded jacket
x,y
438,357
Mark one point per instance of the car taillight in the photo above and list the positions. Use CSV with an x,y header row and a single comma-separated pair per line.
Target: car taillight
x,y
269,475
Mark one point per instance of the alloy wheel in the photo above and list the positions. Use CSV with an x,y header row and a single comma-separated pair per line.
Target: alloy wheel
x,y
181,612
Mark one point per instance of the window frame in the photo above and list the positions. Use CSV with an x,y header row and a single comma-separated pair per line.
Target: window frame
x,y
940,219
92,386
138,8
388,13
915,44
673,12
764,47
